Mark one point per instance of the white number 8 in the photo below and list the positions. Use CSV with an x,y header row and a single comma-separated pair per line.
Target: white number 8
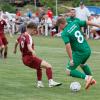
x,y
79,37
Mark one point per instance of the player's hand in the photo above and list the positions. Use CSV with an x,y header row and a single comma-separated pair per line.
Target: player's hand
x,y
71,63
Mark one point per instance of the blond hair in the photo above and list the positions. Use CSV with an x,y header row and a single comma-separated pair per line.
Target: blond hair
x,y
61,21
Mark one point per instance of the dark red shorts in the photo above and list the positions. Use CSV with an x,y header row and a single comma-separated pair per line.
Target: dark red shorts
x,y
32,62
3,41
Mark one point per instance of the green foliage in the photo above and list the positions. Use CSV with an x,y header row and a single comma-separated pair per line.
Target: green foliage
x,y
76,3
7,7
49,3
68,3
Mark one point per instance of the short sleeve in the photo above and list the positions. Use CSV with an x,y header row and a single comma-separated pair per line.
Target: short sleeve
x,y
28,39
65,38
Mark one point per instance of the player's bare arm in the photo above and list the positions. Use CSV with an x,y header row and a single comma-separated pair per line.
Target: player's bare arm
x,y
69,52
15,47
31,49
92,24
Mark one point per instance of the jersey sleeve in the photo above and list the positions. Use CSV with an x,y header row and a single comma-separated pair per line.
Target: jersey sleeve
x,y
28,40
81,23
65,38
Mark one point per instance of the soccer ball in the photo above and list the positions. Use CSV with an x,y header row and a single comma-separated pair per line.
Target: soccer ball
x,y
75,86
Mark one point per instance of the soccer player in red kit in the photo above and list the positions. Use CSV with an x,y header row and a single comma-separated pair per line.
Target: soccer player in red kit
x,y
30,59
3,40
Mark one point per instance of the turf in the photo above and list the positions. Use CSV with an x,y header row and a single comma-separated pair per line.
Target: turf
x,y
18,82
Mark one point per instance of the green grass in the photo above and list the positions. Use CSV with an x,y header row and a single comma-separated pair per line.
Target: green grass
x,y
18,82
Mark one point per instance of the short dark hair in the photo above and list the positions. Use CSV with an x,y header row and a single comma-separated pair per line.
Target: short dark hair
x,y
31,25
73,9
81,3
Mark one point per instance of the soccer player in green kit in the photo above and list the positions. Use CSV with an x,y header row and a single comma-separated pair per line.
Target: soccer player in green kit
x,y
72,16
77,48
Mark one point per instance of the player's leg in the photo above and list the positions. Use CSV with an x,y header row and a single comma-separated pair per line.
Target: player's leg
x,y
5,51
39,78
86,69
5,42
78,74
74,73
34,63
1,51
38,64
71,70
48,68
1,48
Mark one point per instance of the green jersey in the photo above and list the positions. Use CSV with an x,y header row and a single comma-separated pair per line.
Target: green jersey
x,y
71,19
73,35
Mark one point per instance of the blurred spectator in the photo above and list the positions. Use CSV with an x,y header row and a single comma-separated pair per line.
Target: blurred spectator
x,y
22,28
48,21
82,12
18,22
48,25
1,13
41,26
41,12
35,19
29,13
18,12
94,30
50,13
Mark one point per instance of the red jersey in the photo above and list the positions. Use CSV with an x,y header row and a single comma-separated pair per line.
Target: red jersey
x,y
2,24
24,40
18,13
50,14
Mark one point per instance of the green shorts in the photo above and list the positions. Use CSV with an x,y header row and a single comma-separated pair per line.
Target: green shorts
x,y
78,58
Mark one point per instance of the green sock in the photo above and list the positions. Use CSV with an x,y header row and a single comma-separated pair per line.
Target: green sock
x,y
78,74
86,69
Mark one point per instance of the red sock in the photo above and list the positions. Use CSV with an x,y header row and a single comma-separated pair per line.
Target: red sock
x,y
49,73
5,54
39,74
1,51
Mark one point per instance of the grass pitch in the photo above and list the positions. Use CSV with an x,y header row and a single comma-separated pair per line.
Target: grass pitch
x,y
18,82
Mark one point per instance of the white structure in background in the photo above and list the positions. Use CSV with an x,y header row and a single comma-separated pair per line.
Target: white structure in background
x,y
48,25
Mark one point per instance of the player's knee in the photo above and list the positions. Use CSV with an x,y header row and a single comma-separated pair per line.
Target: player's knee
x,y
49,65
68,72
2,46
45,64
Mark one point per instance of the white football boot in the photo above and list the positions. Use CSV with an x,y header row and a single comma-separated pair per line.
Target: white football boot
x,y
53,83
40,84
